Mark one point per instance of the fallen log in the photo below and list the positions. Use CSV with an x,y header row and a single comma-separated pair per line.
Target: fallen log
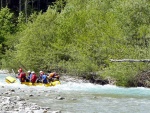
x,y
130,60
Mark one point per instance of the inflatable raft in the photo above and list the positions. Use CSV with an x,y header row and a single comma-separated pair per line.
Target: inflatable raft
x,y
10,79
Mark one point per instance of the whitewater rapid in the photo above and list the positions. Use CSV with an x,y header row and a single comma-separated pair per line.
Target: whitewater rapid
x,y
84,97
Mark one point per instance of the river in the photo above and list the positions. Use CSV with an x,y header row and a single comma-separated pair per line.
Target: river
x,y
84,97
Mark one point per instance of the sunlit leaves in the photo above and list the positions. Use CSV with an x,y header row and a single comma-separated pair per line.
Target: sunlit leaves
x,y
84,36
6,22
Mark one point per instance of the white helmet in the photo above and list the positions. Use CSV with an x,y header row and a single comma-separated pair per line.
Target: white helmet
x,y
40,71
29,71
32,72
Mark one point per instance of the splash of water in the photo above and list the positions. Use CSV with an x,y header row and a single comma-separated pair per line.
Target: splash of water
x,y
84,87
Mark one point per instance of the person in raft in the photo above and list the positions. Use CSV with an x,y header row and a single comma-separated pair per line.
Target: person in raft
x,y
28,76
19,71
53,76
39,79
43,77
33,77
21,75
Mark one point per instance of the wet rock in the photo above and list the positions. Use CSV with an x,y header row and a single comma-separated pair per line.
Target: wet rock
x,y
94,97
60,98
12,90
45,108
95,80
30,95
6,93
20,99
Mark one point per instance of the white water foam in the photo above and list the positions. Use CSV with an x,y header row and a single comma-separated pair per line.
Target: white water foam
x,y
84,87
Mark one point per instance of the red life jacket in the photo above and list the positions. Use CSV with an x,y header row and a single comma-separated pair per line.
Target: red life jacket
x,y
33,78
22,77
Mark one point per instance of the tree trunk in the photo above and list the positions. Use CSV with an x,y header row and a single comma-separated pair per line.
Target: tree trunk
x,y
39,5
25,7
32,4
1,4
6,3
19,6
130,60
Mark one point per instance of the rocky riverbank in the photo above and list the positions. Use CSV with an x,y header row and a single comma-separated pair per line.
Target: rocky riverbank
x,y
140,80
11,103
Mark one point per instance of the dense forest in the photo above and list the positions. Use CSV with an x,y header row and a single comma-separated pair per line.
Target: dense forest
x,y
77,37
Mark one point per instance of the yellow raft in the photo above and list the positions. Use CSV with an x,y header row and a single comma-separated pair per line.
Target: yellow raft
x,y
10,79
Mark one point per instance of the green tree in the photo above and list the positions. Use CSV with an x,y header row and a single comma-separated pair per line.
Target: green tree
x,y
7,27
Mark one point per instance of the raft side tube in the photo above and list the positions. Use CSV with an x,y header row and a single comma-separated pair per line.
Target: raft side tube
x,y
41,84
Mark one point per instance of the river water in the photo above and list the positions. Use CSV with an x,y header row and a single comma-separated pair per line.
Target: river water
x,y
83,97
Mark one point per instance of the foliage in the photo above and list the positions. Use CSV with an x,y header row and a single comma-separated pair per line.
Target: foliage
x,y
6,28
81,37
124,73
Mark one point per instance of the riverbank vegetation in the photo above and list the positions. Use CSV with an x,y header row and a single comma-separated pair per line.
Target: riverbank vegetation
x,y
79,37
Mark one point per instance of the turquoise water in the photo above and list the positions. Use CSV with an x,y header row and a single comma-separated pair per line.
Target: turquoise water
x,y
85,97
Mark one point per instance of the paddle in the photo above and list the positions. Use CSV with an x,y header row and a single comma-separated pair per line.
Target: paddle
x,y
14,73
23,66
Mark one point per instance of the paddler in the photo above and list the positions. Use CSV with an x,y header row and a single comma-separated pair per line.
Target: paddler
x,y
33,77
21,75
19,71
39,79
28,76
44,78
53,76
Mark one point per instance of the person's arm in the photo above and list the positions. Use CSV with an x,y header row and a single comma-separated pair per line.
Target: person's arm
x,y
42,79
30,77
19,76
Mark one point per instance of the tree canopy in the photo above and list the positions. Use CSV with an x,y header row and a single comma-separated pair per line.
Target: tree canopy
x,y
80,39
